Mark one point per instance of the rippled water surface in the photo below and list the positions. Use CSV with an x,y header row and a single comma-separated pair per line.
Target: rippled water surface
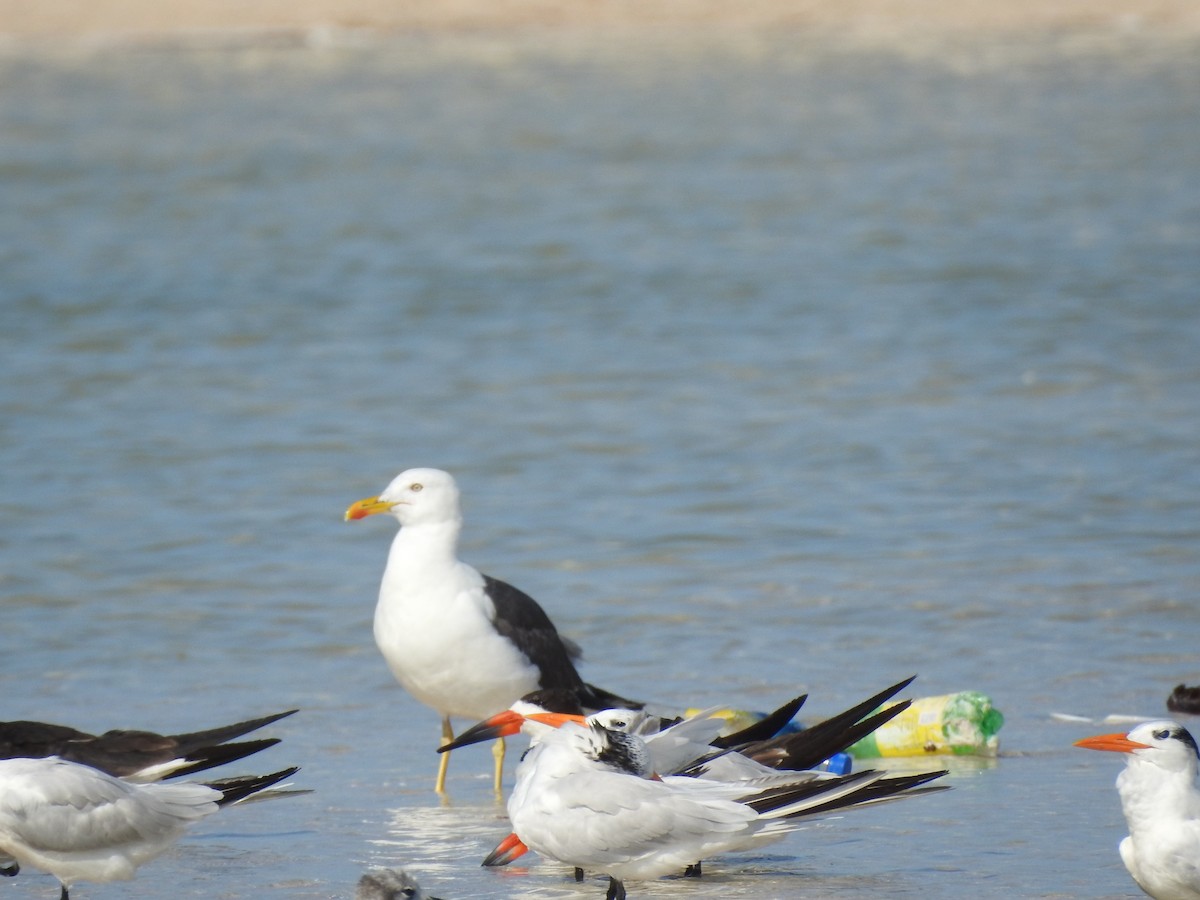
x,y
766,364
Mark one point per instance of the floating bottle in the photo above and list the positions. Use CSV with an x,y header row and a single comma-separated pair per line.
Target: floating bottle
x,y
964,723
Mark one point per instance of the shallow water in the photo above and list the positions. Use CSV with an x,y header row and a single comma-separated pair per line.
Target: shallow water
x,y
767,364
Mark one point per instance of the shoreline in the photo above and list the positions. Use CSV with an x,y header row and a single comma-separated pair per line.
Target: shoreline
x,y
57,20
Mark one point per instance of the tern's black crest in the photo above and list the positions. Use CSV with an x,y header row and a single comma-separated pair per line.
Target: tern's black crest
x,y
623,752
1184,736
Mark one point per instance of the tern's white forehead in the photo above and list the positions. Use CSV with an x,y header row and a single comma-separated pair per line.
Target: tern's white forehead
x,y
1167,737
626,720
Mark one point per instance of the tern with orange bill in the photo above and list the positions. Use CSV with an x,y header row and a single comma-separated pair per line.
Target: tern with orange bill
x,y
757,757
458,641
1161,803
587,796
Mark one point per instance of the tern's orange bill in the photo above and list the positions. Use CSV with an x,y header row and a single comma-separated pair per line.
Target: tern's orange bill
x,y
1118,743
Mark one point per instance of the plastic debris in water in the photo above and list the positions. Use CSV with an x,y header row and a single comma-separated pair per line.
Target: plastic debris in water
x,y
964,724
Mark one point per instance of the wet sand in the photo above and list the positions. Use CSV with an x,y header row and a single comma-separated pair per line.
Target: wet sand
x,y
22,20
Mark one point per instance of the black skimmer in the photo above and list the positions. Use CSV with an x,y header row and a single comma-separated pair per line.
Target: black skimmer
x,y
458,641
761,741
136,755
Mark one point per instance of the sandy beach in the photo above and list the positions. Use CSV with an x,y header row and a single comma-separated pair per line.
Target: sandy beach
x,y
21,19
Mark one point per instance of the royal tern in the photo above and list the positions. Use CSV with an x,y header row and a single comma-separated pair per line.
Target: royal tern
x,y
682,739
389,884
459,641
136,755
587,797
80,824
1162,807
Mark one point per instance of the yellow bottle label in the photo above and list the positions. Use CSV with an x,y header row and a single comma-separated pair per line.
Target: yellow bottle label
x,y
917,730
962,723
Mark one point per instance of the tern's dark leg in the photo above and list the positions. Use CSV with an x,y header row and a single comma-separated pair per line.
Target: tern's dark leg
x,y
10,870
578,874
64,895
693,871
616,890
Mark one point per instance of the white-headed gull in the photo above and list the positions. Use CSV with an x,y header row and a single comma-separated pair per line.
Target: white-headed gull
x,y
459,641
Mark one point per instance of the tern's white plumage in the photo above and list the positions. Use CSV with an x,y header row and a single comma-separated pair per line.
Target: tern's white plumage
x,y
458,641
587,797
755,758
81,824
1161,803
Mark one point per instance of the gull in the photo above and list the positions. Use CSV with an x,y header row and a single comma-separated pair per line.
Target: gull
x,y
587,796
80,824
141,756
461,642
1162,807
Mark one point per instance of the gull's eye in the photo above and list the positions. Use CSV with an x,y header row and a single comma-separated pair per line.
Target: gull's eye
x,y
415,487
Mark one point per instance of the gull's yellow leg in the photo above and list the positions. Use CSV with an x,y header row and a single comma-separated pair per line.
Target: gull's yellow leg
x,y
447,737
498,752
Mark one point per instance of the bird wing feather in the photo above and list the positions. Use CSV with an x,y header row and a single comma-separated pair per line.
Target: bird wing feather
x,y
602,820
519,618
57,806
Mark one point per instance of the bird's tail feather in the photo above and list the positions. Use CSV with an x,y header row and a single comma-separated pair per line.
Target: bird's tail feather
x,y
239,788
843,792
810,747
766,728
197,739
202,759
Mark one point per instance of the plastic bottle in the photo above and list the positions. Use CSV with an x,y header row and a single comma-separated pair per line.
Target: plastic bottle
x,y
965,723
